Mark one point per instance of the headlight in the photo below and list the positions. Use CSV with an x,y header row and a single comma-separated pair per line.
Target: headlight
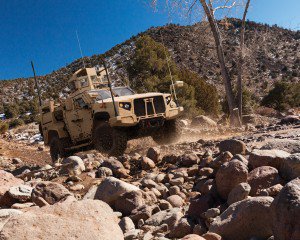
x,y
125,105
168,99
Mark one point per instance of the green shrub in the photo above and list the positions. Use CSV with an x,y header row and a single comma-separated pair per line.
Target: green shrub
x,y
249,102
16,122
149,72
3,127
283,96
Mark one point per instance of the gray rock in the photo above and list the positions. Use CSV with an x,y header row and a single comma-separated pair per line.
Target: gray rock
x,y
273,158
188,160
175,201
87,219
261,178
182,228
239,193
126,224
6,214
154,154
288,145
104,172
233,146
147,163
110,189
169,217
75,165
21,192
49,192
290,167
286,212
229,176
7,180
245,219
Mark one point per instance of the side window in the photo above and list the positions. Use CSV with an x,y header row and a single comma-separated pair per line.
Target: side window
x,y
84,82
79,103
94,78
71,85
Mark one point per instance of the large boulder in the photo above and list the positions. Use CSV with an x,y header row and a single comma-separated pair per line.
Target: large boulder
x,y
229,176
288,145
245,219
286,212
261,178
273,158
203,121
87,219
6,214
7,180
75,165
110,189
232,145
49,193
290,167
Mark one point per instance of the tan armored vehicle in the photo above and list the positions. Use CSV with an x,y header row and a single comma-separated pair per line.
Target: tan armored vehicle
x,y
97,115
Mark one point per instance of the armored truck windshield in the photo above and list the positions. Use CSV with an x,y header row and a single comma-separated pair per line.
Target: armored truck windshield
x,y
122,91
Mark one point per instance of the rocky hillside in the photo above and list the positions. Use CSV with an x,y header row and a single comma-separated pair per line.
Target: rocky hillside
x,y
272,54
240,188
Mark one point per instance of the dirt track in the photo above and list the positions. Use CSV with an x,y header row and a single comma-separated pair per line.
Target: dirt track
x,y
28,154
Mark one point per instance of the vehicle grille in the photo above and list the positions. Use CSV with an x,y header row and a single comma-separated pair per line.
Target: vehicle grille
x,y
140,105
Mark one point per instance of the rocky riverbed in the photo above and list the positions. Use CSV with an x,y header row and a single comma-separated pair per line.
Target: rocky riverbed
x,y
216,183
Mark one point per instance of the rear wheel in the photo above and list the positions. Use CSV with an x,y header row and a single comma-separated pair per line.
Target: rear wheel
x,y
109,140
58,148
169,133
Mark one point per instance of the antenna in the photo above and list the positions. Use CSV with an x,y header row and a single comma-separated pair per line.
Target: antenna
x,y
173,86
36,84
80,49
110,88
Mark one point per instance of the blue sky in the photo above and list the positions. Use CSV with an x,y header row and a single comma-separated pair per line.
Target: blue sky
x,y
44,30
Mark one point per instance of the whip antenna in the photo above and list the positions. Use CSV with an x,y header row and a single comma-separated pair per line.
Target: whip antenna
x,y
173,86
36,84
80,49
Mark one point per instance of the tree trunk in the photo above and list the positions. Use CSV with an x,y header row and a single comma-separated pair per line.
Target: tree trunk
x,y
220,52
241,62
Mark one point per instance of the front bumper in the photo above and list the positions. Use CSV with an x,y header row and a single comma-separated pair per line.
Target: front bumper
x,y
132,120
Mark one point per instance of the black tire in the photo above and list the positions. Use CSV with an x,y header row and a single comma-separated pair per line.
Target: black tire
x,y
169,133
111,141
58,148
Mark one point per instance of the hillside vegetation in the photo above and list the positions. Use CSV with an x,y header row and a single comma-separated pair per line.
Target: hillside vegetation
x,y
272,55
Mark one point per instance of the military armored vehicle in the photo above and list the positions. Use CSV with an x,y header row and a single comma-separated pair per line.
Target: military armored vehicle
x,y
97,115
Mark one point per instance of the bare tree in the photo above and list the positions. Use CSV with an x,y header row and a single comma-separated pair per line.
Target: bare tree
x,y
209,10
241,61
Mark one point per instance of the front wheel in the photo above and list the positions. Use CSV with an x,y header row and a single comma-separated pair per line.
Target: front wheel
x,y
109,140
169,133
58,148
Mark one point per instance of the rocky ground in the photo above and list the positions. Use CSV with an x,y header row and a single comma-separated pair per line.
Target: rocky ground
x,y
215,183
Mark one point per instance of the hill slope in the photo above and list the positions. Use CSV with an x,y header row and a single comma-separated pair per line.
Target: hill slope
x,y
272,54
